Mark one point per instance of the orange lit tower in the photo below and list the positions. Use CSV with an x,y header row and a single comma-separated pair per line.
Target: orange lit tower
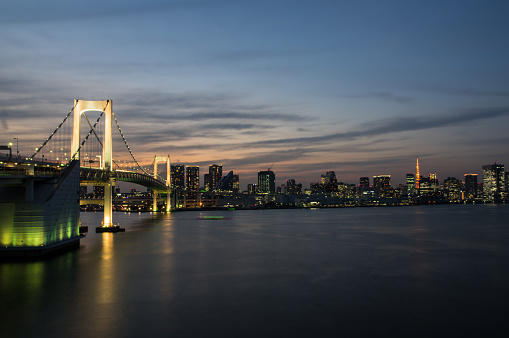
x,y
417,176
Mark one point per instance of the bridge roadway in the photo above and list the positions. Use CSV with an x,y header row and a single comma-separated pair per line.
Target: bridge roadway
x,y
19,167
95,175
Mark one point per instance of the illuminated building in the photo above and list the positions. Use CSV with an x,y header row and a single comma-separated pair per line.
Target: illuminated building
x,y
99,191
470,186
410,184
381,185
43,218
192,184
226,183
452,187
236,183
428,186
251,188
364,182
192,177
215,175
493,179
266,182
83,191
177,176
293,188
329,182
206,182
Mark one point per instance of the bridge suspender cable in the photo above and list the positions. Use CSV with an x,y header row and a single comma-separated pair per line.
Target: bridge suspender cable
x,y
128,148
53,133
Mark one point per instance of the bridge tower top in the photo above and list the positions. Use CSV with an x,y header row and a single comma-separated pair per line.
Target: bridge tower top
x,y
106,106
168,170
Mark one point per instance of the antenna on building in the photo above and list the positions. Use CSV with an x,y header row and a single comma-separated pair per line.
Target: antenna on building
x,y
418,177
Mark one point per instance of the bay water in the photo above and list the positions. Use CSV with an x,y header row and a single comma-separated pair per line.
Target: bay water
x,y
416,271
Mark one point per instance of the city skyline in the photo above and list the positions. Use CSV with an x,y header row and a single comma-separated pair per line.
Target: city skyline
x,y
355,88
330,176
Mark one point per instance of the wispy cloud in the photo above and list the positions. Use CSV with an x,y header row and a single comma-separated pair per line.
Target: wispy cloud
x,y
381,95
57,11
469,92
396,125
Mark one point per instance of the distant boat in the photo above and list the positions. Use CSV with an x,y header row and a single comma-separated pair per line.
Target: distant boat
x,y
212,217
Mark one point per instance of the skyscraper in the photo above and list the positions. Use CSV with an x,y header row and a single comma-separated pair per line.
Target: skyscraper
x,y
470,186
215,174
452,187
177,176
364,182
236,183
493,179
329,182
266,182
410,184
226,183
381,185
192,177
206,182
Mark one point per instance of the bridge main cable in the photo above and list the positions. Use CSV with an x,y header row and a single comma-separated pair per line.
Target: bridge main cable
x,y
127,145
53,133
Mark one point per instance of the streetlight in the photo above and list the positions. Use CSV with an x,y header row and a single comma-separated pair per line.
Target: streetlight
x,y
17,151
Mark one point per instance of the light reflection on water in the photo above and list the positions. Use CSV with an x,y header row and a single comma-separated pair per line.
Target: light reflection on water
x,y
356,271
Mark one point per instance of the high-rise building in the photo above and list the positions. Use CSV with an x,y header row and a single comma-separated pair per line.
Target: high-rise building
x,y
266,182
236,183
329,182
493,179
293,188
364,182
177,176
206,182
381,185
215,175
192,177
452,187
470,186
410,184
428,186
226,183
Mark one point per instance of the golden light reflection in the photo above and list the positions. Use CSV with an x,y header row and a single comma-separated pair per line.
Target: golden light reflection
x,y
106,283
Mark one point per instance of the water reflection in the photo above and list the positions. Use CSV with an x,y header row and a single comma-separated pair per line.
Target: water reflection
x,y
106,282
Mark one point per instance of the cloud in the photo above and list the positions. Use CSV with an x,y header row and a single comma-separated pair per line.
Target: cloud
x,y
396,125
57,11
469,92
5,125
381,95
261,158
235,126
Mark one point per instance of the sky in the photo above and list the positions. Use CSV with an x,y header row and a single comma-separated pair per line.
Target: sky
x,y
301,86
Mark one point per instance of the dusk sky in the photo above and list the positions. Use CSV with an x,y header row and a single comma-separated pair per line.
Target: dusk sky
x,y
358,87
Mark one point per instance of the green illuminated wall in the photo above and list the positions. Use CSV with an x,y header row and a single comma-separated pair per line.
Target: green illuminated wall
x,y
51,217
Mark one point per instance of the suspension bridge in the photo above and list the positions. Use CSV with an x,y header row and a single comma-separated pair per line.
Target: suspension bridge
x,y
39,206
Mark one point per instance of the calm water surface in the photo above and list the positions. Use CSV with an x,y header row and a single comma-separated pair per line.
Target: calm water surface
x,y
400,271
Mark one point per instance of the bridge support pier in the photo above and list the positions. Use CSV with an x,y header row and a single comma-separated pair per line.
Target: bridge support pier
x,y
168,182
154,203
105,106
